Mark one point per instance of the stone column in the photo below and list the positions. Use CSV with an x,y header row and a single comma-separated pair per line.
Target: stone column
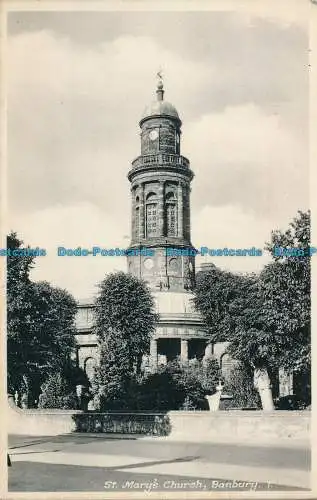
x,y
153,355
180,222
160,210
142,214
184,351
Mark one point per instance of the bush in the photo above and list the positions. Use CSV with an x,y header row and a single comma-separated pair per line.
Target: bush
x,y
57,393
158,392
124,423
177,387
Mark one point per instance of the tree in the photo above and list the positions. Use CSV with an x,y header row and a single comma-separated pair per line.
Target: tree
x,y
53,313
57,393
232,307
19,305
40,326
215,293
113,380
285,285
124,324
265,318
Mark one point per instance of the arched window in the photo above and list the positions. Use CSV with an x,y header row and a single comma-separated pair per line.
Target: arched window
x,y
173,265
151,214
171,214
89,367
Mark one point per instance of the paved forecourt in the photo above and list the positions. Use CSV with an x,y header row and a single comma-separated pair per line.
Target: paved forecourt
x,y
99,462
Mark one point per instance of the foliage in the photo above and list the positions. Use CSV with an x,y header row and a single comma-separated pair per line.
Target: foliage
x,y
285,285
159,392
239,384
124,324
125,307
124,423
296,236
177,386
57,393
215,292
208,374
19,306
40,326
112,382
265,318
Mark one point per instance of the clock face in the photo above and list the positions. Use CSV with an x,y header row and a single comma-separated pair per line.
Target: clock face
x,y
148,263
153,135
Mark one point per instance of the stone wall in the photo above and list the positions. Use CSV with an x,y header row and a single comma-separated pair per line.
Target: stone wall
x,y
253,427
39,422
241,426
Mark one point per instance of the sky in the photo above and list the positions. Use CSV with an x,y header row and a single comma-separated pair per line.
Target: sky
x,y
78,83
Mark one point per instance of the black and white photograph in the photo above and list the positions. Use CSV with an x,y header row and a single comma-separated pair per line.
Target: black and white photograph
x,y
157,249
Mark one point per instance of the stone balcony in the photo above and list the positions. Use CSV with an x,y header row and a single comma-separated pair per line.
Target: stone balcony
x,y
161,160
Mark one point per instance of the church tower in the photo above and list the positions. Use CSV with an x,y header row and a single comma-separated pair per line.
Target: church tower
x,y
160,190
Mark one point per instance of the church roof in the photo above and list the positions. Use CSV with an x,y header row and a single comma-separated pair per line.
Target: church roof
x,y
160,107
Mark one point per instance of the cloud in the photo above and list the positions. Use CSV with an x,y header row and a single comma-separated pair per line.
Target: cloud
x,y
81,225
73,112
73,115
229,226
245,157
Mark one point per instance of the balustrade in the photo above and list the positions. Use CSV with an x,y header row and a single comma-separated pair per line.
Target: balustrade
x,y
162,159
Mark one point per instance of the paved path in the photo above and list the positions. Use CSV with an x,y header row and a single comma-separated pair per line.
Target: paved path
x,y
97,462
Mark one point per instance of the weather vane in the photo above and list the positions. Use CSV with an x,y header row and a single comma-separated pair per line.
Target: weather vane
x,y
159,74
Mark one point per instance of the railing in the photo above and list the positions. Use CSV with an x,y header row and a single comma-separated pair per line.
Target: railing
x,y
160,159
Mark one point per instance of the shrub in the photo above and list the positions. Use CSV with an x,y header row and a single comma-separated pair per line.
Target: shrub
x,y
177,386
57,393
158,392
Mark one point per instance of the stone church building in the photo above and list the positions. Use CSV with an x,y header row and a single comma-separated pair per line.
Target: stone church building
x,y
160,180
160,186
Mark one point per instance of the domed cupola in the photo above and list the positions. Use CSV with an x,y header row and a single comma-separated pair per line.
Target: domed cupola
x,y
159,107
160,126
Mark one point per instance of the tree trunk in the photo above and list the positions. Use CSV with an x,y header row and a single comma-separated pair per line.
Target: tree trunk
x,y
262,384
27,391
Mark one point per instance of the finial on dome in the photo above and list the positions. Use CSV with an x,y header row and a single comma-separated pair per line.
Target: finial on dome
x,y
160,86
